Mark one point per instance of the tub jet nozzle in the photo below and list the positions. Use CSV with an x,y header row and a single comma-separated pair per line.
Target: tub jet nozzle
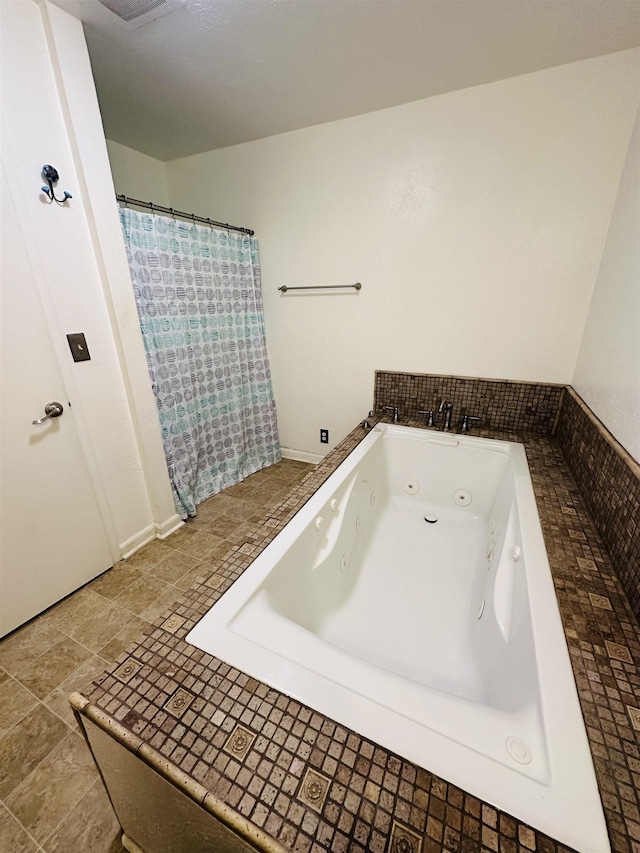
x,y
430,520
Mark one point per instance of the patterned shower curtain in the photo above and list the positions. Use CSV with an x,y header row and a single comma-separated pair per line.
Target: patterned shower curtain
x,y
200,307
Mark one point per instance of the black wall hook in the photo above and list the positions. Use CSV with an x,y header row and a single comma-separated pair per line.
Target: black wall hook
x,y
51,176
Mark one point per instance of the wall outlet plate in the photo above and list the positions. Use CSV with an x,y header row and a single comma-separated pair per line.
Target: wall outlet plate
x,y
324,436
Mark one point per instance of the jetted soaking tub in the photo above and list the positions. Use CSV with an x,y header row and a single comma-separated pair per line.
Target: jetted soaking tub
x,y
411,600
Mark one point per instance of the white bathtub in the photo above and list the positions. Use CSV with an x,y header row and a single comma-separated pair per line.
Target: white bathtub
x,y
411,600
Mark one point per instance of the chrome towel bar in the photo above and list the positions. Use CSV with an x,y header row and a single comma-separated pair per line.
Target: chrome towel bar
x,y
356,286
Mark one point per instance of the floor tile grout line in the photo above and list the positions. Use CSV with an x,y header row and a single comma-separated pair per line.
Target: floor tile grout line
x,y
69,734
82,645
104,644
42,700
13,678
66,815
55,713
43,703
21,825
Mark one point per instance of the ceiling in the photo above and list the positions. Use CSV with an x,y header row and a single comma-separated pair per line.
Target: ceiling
x,y
219,72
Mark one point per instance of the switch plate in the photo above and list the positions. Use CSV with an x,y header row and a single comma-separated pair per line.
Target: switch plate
x,y
78,347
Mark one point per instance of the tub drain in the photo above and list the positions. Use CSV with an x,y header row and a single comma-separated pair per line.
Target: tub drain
x,y
462,497
518,750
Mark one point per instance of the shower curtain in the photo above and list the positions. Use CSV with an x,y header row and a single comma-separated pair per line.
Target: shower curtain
x,y
199,302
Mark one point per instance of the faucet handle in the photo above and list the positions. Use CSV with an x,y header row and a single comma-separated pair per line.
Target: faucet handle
x,y
428,413
393,409
464,423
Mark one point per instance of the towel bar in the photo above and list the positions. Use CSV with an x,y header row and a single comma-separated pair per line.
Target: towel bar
x,y
285,288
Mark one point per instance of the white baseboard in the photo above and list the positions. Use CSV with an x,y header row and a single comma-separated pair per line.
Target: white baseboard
x,y
134,543
159,530
130,845
301,455
168,527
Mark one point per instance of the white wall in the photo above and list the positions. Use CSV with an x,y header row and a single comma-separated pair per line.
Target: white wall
x,y
475,221
50,114
137,175
607,374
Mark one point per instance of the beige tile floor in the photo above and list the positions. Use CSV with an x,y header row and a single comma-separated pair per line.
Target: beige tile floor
x,y
51,798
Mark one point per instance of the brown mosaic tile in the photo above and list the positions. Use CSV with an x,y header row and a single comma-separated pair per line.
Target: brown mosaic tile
x,y
634,716
173,623
404,840
600,601
313,789
618,651
127,670
178,703
239,742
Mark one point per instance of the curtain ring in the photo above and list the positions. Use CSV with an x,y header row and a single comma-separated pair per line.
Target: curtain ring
x,y
210,223
172,212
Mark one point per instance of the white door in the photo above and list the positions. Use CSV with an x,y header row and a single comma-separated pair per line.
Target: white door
x,y
52,537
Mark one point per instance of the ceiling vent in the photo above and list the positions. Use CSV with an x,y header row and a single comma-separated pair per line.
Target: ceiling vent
x,y
137,13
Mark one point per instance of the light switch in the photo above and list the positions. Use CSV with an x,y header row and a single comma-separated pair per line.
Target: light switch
x,y
78,347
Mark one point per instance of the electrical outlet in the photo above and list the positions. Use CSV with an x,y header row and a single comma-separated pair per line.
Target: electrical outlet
x,y
324,436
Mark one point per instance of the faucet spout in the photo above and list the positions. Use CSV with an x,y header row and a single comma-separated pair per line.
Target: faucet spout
x,y
446,407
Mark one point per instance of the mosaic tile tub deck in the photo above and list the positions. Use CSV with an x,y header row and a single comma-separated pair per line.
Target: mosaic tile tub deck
x,y
288,778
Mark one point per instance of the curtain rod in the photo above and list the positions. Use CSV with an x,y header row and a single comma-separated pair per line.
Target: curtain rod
x,y
149,205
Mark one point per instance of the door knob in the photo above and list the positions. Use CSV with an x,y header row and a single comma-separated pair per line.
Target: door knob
x,y
52,410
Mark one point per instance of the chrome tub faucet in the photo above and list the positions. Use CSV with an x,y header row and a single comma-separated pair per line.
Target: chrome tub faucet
x,y
447,408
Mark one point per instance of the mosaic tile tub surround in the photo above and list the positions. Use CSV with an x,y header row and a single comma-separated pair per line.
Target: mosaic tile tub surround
x,y
500,404
609,479
310,784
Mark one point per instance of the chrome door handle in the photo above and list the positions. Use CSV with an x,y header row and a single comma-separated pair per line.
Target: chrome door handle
x,y
52,410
